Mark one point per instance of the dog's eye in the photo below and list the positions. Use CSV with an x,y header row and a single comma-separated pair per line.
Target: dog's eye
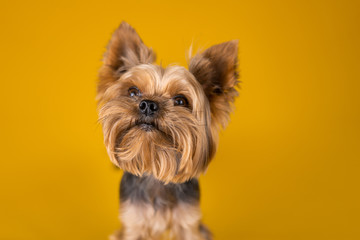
x,y
134,91
180,100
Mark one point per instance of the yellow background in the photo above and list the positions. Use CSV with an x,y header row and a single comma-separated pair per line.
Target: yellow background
x,y
287,165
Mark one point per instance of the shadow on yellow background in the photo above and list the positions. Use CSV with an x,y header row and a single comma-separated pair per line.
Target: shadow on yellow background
x,y
287,166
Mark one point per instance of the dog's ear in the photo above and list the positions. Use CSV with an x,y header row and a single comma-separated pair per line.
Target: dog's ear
x,y
125,50
216,70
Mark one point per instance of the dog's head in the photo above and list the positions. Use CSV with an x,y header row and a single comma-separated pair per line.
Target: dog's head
x,y
164,121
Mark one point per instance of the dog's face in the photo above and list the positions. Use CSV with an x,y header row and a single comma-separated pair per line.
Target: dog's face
x,y
164,122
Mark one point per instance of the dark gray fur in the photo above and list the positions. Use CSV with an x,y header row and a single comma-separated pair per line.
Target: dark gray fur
x,y
147,189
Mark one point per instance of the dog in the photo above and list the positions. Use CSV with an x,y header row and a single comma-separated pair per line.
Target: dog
x,y
161,127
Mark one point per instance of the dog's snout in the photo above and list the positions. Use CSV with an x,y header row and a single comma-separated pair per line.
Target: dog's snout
x,y
148,107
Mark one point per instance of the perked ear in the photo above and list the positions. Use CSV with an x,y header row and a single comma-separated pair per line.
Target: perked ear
x,y
216,70
124,51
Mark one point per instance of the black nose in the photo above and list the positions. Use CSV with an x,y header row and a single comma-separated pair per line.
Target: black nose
x,y
148,107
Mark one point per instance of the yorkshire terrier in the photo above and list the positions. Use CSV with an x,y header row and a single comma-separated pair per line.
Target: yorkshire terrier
x,y
161,127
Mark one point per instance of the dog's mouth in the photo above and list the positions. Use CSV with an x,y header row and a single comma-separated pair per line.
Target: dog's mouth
x,y
146,125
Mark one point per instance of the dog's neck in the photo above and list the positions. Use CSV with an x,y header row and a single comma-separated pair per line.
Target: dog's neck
x,y
147,189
